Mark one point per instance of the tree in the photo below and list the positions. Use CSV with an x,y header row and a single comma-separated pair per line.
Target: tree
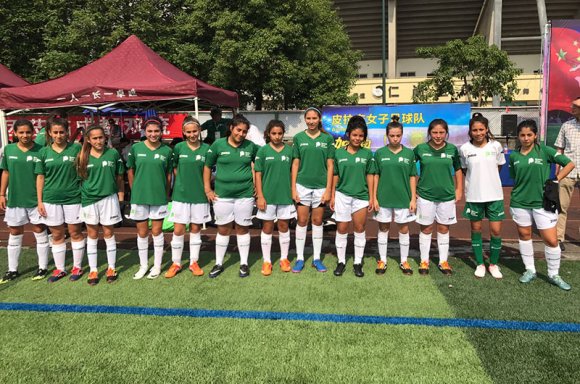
x,y
483,71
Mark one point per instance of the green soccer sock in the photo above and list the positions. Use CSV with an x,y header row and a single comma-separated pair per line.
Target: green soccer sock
x,y
495,249
477,246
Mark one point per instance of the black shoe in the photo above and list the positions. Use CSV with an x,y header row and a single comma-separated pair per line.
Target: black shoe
x,y
562,247
40,274
339,269
9,276
358,271
244,270
216,271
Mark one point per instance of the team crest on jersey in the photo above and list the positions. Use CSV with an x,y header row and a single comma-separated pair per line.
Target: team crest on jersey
x,y
31,158
360,160
321,145
285,158
158,156
106,163
199,158
446,156
68,158
245,154
536,161
403,160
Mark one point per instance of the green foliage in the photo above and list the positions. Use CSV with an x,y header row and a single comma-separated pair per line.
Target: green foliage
x,y
279,54
483,70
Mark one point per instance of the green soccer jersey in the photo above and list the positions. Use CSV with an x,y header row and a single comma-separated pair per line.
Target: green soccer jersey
x,y
61,182
395,170
22,180
233,177
41,137
436,171
188,187
276,173
151,167
215,130
352,170
530,172
101,176
313,154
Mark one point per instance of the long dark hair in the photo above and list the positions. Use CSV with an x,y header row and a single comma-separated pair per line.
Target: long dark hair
x,y
479,118
273,124
82,160
237,120
357,122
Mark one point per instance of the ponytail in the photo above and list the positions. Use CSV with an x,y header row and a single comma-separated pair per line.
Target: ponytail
x,y
82,160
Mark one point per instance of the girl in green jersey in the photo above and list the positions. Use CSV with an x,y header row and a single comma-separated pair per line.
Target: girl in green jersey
x,y
272,166
438,191
59,197
20,206
395,196
149,173
312,172
101,170
530,169
190,206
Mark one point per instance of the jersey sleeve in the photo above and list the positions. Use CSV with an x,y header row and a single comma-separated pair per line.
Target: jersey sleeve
x,y
456,160
500,155
39,168
331,149
131,158
371,164
211,156
556,157
295,151
120,166
511,165
462,158
255,149
335,168
4,163
413,165
169,161
259,161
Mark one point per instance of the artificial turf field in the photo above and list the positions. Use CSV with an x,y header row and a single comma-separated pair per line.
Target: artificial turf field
x,y
103,347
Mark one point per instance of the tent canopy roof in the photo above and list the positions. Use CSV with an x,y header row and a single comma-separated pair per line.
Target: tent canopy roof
x,y
10,79
132,72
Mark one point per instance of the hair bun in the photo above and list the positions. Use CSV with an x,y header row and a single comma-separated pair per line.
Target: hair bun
x,y
476,114
395,118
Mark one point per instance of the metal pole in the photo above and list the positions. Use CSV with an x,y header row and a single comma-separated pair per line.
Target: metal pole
x,y
196,103
3,129
383,51
542,15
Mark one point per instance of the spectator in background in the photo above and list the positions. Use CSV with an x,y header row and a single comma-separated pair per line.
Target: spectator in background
x,y
115,132
216,127
568,143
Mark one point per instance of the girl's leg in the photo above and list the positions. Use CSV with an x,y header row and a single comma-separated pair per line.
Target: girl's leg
x,y
266,241
424,247
404,243
78,249
158,244
14,248
222,240
92,240
443,246
303,213
42,248
359,219
317,232
177,242
553,254
477,242
495,248
143,248
382,243
111,245
243,239
340,241
284,240
58,252
527,253
194,248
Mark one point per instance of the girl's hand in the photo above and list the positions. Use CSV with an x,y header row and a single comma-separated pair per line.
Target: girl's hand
x,y
413,206
211,196
371,206
3,202
458,195
376,206
332,204
41,209
325,197
295,196
261,203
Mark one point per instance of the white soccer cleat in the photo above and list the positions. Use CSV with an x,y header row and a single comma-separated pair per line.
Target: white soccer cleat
x,y
154,273
140,273
495,272
480,271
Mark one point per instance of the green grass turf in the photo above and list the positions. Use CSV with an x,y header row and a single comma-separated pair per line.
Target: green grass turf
x,y
120,348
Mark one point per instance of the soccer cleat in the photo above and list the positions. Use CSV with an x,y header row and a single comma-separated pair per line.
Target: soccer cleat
x,y
76,274
320,267
339,269
40,274
424,268
154,273
527,277
406,268
173,270
558,282
93,278
195,269
480,271
57,274
266,269
358,271
244,270
111,275
141,272
381,268
298,266
216,271
9,276
285,265
494,271
445,268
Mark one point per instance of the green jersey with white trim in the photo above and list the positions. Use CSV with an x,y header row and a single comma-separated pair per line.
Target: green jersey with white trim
x,y
22,180
188,187
436,171
352,170
101,176
151,167
313,154
395,171
61,182
233,177
276,173
530,172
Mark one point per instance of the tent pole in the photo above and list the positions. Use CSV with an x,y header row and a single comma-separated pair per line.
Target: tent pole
x,y
196,103
3,128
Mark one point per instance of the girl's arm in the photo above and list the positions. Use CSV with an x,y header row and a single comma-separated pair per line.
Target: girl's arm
x,y
121,187
39,188
3,188
413,203
209,193
295,167
458,185
333,191
371,186
131,176
261,202
168,179
565,171
375,191
327,195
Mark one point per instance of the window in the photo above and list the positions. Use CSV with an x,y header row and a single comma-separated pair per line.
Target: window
x,y
362,76
408,74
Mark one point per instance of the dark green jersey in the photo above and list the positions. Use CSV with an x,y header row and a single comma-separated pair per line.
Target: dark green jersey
x,y
275,168
215,130
151,167
101,176
61,182
41,137
22,181
188,187
352,170
233,177
395,171
313,154
530,172
436,177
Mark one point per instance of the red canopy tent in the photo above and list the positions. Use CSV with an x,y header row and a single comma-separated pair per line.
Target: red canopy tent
x,y
10,79
132,72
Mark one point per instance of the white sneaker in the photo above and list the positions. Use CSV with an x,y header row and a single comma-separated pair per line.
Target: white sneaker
x,y
154,273
480,271
494,271
141,273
